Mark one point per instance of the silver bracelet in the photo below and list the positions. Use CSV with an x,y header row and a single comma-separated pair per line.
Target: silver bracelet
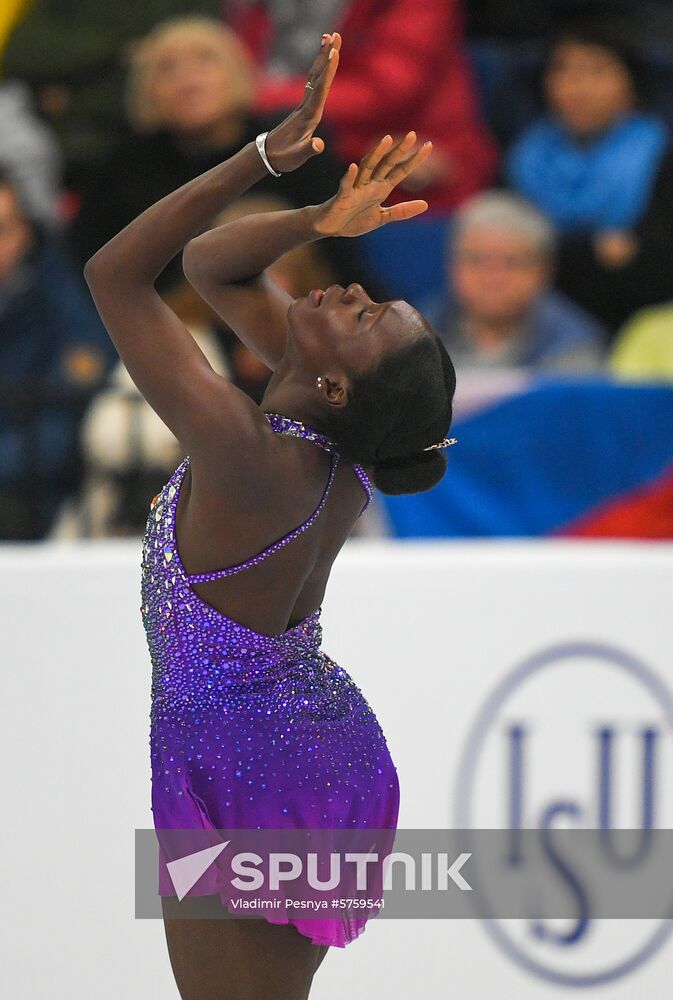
x,y
260,142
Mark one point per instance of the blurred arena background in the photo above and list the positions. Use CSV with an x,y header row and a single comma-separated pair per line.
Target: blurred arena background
x,y
538,573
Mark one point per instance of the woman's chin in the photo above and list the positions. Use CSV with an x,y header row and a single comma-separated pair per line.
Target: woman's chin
x,y
193,123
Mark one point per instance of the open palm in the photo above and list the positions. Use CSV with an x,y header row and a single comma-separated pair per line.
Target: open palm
x,y
293,142
357,207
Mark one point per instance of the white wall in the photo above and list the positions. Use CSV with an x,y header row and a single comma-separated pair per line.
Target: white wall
x,y
428,631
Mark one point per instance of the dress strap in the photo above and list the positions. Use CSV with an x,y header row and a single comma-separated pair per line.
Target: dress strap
x,y
284,540
367,485
287,425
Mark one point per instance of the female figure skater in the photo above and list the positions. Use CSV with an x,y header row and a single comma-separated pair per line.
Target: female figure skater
x,y
252,724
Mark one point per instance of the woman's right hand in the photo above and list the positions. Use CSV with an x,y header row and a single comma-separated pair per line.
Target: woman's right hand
x,y
290,144
357,207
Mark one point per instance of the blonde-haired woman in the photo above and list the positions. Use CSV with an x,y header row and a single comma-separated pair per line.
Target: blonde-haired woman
x,y
190,106
191,73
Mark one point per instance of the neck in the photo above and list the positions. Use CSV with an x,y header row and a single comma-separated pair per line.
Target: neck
x,y
223,132
285,394
590,135
492,333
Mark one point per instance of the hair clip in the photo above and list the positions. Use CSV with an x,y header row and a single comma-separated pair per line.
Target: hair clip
x,y
444,443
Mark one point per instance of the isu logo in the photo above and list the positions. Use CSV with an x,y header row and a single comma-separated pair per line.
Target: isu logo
x,y
579,736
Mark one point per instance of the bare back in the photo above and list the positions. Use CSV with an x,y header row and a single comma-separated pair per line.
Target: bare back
x,y
221,522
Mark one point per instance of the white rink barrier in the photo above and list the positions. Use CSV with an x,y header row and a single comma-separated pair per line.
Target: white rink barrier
x,y
460,647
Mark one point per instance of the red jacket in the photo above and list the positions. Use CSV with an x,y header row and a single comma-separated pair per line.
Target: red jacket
x,y
402,66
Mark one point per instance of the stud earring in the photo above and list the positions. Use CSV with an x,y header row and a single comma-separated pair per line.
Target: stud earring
x,y
318,383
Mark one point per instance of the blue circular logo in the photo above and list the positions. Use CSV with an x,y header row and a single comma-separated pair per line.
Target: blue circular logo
x,y
549,720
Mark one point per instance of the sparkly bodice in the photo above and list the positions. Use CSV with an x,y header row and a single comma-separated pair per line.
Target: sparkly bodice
x,y
172,610
206,665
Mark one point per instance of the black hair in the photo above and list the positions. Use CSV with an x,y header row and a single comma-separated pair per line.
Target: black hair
x,y
395,411
618,34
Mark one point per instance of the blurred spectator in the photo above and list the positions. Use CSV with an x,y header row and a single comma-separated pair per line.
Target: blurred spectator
x,y
402,66
54,352
507,44
501,312
72,53
189,98
601,167
643,349
29,153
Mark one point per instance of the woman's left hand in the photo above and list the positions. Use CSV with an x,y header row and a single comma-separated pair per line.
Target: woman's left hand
x,y
357,206
292,143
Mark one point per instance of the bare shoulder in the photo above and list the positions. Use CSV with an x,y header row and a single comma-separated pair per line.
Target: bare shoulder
x,y
235,464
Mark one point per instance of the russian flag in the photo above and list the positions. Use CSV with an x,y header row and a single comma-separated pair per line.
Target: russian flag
x,y
552,456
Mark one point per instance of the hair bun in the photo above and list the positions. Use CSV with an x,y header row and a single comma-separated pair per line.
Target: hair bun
x,y
412,474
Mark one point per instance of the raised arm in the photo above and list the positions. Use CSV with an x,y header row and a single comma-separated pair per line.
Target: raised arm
x,y
170,370
227,267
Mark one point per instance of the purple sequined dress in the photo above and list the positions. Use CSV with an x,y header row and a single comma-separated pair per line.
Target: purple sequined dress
x,y
252,731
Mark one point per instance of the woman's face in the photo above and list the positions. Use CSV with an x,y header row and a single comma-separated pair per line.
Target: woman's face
x,y
588,88
341,330
191,84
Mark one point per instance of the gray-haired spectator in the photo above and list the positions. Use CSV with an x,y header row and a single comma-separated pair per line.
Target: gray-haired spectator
x,y
29,153
500,310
